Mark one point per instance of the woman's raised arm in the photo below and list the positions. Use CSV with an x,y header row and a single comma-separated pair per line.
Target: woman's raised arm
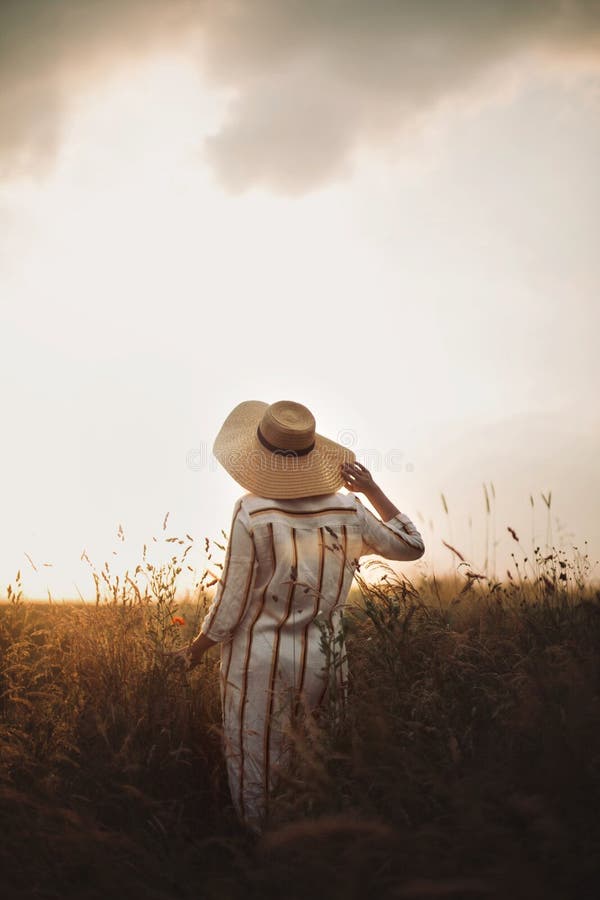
x,y
396,536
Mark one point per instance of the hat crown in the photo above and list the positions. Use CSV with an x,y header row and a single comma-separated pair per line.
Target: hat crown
x,y
288,425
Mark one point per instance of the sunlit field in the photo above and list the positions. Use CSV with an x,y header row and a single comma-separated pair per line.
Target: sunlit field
x,y
465,762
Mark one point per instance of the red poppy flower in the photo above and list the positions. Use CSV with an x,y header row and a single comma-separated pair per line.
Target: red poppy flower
x,y
178,620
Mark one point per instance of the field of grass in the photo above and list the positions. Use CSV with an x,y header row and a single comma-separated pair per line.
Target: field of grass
x,y
465,764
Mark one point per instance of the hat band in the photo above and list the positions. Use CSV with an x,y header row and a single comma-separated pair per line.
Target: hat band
x,y
302,452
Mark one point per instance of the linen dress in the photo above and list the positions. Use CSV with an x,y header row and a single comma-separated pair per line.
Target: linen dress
x,y
289,565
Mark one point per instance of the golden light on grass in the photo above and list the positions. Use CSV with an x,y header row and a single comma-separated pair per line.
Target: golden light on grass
x,y
456,691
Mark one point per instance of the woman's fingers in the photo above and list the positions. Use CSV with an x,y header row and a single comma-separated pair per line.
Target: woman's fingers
x,y
354,469
356,477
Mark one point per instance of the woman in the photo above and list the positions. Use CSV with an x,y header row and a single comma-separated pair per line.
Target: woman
x,y
293,546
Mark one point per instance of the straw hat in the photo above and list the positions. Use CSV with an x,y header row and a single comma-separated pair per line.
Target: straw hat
x,y
274,451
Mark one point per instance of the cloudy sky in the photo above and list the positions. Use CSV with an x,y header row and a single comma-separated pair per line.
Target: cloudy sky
x,y
385,210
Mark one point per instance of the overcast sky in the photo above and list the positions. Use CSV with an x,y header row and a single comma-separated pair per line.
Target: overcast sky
x,y
387,211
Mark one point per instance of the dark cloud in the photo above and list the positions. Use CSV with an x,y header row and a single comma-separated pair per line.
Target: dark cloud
x,y
315,80
312,80
50,48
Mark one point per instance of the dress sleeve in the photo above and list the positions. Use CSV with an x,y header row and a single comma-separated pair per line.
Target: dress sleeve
x,y
397,538
235,585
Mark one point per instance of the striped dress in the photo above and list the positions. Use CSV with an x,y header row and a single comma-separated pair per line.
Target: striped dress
x,y
287,572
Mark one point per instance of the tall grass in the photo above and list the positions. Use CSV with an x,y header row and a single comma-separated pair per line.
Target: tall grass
x,y
464,760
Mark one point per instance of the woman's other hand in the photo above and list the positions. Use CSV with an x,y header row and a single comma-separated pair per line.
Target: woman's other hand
x,y
182,658
189,657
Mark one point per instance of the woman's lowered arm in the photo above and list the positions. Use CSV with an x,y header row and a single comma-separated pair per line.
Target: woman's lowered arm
x,y
231,595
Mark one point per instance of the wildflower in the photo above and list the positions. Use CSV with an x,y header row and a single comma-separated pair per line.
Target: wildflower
x,y
177,620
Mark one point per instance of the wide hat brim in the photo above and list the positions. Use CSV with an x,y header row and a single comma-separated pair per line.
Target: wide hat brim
x,y
275,475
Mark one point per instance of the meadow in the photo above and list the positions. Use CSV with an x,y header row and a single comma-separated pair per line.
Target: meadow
x,y
465,763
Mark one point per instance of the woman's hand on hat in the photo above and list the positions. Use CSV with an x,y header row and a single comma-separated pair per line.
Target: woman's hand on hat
x,y
357,478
